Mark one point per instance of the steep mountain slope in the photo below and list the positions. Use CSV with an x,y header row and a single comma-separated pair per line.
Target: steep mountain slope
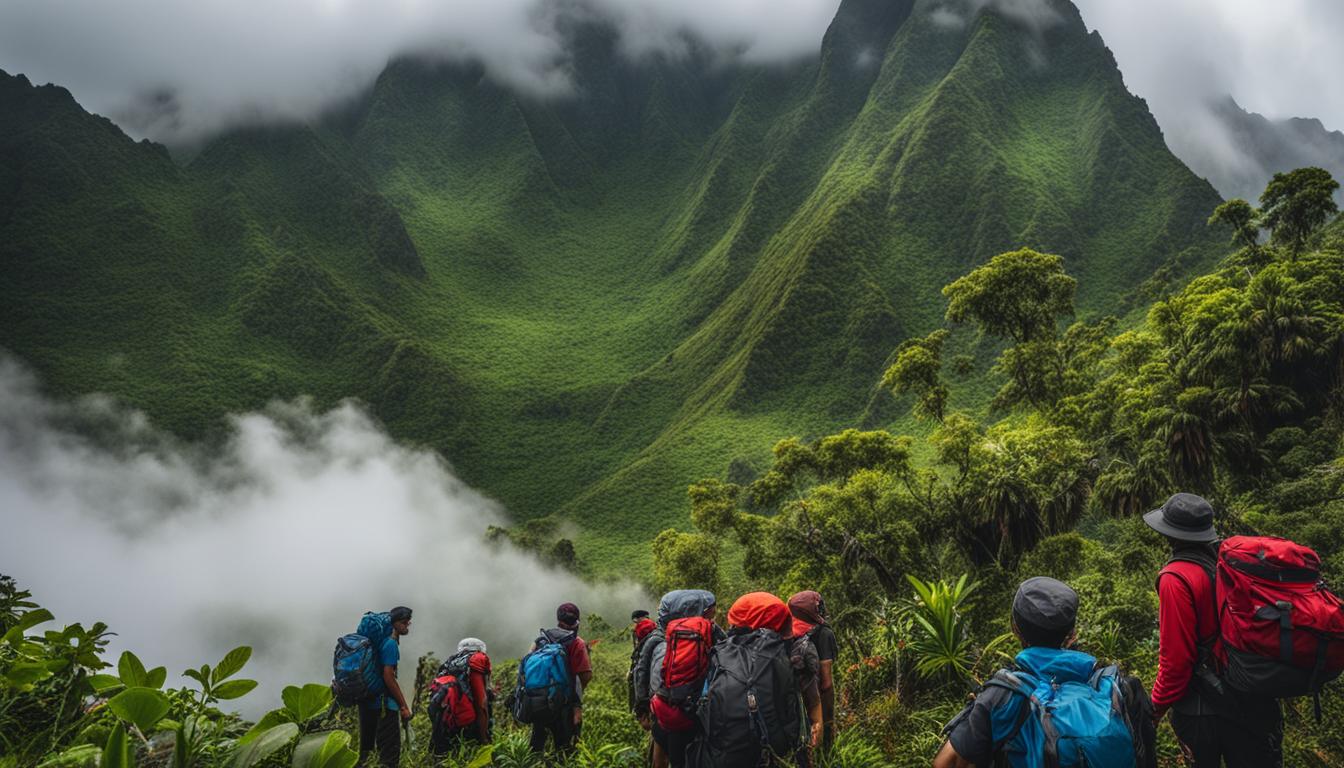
x,y
587,303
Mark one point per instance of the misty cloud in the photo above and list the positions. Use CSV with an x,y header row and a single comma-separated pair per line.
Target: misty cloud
x,y
174,71
279,537
1183,56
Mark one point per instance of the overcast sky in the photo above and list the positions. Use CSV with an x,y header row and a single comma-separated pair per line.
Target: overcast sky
x,y
223,61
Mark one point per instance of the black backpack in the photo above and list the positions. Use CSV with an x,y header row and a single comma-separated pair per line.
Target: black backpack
x,y
751,711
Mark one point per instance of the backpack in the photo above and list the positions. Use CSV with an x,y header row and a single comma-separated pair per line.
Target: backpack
x,y
686,660
545,686
751,710
632,679
451,706
356,668
1067,719
1282,630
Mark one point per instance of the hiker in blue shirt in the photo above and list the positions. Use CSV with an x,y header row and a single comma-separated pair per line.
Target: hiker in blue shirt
x,y
381,716
1053,700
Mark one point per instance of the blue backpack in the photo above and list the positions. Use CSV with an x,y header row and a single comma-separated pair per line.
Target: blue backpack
x,y
1073,713
356,669
545,686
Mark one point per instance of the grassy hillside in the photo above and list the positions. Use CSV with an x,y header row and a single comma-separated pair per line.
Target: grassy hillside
x,y
587,303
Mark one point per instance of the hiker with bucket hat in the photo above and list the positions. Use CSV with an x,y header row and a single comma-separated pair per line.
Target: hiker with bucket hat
x,y
1215,724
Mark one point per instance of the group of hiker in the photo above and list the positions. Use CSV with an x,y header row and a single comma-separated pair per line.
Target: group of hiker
x,y
1240,626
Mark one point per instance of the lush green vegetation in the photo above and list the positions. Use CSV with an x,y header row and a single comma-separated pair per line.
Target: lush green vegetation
x,y
583,302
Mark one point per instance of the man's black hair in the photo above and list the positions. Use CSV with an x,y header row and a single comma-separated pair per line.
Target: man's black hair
x,y
400,613
1035,637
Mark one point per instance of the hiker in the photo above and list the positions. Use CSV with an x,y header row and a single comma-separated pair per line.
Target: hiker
x,y
641,629
672,669
381,715
1214,723
750,713
565,720
460,698
809,619
1007,722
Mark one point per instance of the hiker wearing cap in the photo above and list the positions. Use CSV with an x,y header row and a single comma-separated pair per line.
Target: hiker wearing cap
x,y
1007,722
460,697
564,728
641,629
1214,724
809,619
381,716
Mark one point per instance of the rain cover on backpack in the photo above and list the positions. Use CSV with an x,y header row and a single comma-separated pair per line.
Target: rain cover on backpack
x,y
450,703
1075,717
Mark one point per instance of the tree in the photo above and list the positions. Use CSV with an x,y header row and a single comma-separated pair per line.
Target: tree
x,y
918,369
1296,204
1241,217
685,561
1019,296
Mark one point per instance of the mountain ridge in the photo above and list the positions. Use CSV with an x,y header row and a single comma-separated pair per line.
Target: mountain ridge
x,y
587,304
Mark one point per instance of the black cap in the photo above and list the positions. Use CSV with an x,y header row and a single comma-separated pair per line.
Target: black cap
x,y
400,613
639,614
1185,517
1046,604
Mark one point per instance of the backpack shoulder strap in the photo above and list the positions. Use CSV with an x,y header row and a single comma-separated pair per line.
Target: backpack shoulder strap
x,y
1019,684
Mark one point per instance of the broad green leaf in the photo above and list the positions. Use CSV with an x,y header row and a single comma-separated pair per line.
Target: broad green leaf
x,y
117,751
325,750
132,671
483,757
233,689
26,622
25,673
104,683
156,677
231,663
197,676
265,745
307,702
268,721
142,707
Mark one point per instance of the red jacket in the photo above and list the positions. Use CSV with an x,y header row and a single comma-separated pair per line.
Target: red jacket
x,y
1186,616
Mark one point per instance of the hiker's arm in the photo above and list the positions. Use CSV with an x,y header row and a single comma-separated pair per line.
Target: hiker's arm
x,y
812,700
390,680
480,698
824,681
948,758
585,678
1178,642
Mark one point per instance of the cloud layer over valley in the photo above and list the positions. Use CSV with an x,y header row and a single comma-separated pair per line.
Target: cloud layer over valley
x,y
278,535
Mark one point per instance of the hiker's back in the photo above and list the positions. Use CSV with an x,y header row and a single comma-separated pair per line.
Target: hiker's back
x,y
751,710
1065,711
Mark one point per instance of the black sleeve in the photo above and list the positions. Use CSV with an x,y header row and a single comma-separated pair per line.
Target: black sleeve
x,y
827,648
972,731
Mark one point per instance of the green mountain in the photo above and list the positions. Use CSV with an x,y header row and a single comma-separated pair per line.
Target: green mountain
x,y
586,303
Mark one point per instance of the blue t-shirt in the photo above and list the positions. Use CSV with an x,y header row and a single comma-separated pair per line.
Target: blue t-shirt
x,y
388,656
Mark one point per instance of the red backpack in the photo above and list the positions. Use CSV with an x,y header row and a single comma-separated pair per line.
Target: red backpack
x,y
450,704
686,659
1282,631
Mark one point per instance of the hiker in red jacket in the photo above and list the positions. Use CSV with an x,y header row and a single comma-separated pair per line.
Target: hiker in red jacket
x,y
1215,724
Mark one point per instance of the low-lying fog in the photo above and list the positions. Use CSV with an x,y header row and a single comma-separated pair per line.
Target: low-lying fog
x,y
279,537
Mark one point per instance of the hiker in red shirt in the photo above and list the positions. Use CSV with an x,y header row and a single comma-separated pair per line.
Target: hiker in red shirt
x,y
1215,724
564,730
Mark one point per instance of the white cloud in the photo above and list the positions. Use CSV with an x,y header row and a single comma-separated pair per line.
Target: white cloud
x,y
278,536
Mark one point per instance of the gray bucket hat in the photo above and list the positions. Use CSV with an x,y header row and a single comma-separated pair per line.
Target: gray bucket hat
x,y
1185,517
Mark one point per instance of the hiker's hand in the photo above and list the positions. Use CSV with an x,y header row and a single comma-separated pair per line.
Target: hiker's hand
x,y
644,722
405,713
578,715
816,734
